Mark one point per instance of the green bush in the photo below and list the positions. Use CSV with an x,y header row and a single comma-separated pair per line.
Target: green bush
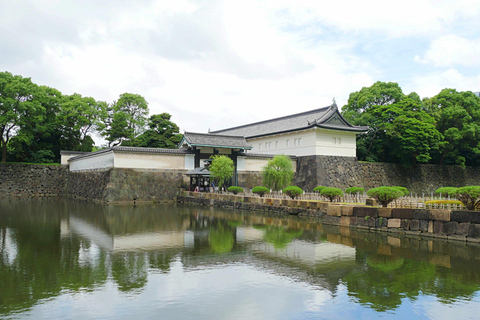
x,y
235,189
404,190
331,193
355,190
446,191
292,191
470,196
260,190
385,195
318,189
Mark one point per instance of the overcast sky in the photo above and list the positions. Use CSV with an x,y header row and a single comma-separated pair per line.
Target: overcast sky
x,y
216,64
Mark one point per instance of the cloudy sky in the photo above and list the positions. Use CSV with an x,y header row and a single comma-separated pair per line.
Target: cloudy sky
x,y
215,64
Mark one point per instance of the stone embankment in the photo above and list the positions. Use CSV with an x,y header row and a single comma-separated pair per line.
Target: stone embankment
x,y
453,225
26,180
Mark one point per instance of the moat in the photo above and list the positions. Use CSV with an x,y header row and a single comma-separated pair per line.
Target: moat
x,y
78,260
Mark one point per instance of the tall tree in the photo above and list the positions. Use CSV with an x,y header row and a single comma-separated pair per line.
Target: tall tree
x,y
278,172
162,133
17,107
458,118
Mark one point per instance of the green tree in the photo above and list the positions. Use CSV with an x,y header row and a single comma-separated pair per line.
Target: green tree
x,y
222,169
162,133
457,115
278,173
17,108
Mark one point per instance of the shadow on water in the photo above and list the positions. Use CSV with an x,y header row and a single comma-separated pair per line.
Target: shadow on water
x,y
50,247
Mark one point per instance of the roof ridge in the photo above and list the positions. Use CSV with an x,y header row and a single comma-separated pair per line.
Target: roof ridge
x,y
216,135
274,119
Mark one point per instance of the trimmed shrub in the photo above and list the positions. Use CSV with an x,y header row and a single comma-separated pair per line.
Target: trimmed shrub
x,y
404,190
292,191
469,196
235,189
385,195
331,193
260,190
318,189
355,190
446,191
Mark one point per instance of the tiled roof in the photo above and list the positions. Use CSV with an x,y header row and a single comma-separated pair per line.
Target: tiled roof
x,y
132,150
328,117
215,140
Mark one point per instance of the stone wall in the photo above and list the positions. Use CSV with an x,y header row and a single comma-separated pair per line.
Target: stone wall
x,y
24,180
249,179
125,185
344,172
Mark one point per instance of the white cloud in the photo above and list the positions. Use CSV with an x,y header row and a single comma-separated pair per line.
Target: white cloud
x,y
431,84
452,50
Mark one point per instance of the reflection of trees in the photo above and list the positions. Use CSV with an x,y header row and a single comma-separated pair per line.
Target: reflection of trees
x,y
280,237
382,281
221,238
130,270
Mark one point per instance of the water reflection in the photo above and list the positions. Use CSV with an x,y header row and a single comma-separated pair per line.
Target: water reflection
x,y
53,248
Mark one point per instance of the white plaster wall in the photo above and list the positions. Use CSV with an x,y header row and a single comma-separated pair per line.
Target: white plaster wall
x,y
189,161
336,143
65,157
149,161
278,143
100,161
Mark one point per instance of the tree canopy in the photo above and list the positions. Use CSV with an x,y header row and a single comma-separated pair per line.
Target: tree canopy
x,y
278,173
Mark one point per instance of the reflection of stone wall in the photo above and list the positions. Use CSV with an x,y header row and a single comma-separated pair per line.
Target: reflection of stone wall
x,y
125,185
344,172
23,180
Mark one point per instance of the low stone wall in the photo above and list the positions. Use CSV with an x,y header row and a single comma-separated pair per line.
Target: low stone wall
x,y
344,172
126,185
25,180
454,225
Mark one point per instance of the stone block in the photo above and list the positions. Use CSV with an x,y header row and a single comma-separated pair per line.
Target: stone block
x,y
439,214
385,212
420,214
393,223
344,221
474,230
365,212
462,228
371,202
402,213
323,206
331,220
381,222
430,226
405,224
465,216
304,204
450,227
456,238
415,225
423,225
438,228
334,210
347,211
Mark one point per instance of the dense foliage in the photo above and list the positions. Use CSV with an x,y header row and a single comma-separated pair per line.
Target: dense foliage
x,y
292,191
404,190
354,190
278,173
470,196
235,189
444,129
221,169
446,191
318,189
385,195
260,190
331,193
36,122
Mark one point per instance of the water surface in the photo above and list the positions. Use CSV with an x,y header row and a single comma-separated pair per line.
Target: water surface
x,y
64,259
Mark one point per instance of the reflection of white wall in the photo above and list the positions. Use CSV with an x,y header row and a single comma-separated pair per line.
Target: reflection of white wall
x,y
307,252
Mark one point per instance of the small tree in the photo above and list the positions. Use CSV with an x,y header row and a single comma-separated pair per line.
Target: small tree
x,y
355,190
470,196
278,173
385,195
260,190
235,189
404,190
293,191
446,191
222,169
331,193
318,189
